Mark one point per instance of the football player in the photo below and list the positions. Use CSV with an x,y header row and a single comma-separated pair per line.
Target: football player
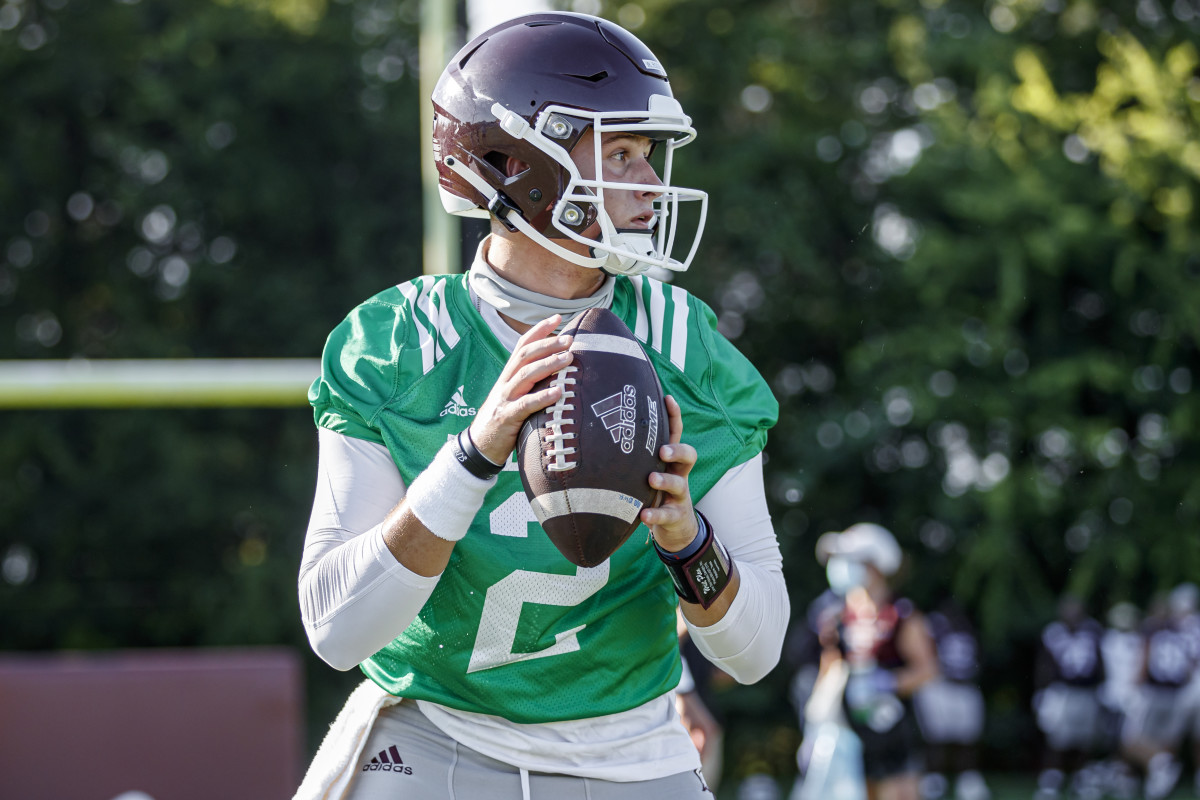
x,y
1068,673
950,709
495,668
1162,712
888,652
1121,649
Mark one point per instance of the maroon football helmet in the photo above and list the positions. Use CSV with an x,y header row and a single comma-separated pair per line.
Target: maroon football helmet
x,y
529,88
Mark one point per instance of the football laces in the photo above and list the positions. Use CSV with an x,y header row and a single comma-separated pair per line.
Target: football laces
x,y
558,449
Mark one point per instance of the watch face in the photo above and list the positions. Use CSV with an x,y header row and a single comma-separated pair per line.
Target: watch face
x,y
707,574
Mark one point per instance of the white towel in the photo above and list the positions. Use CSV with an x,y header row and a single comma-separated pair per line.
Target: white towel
x,y
332,768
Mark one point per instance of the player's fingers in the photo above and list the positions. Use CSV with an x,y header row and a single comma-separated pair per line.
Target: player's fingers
x,y
535,343
671,521
522,367
540,330
527,404
497,425
674,420
674,485
540,348
681,457
531,373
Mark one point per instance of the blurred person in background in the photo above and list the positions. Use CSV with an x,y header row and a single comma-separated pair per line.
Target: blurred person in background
x,y
829,759
887,652
1067,675
497,668
1121,650
1163,711
950,710
802,650
758,786
1186,597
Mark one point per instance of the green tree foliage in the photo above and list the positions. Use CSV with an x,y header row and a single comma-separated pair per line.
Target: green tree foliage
x,y
962,242
186,178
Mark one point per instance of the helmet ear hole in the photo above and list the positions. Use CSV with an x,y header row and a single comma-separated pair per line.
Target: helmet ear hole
x,y
498,160
508,166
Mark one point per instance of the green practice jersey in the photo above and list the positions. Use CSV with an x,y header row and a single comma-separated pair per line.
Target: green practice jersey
x,y
512,628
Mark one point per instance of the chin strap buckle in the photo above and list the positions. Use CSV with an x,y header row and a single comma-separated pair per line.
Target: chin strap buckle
x,y
499,206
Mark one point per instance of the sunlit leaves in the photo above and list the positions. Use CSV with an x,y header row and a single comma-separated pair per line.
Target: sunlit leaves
x,y
1139,110
299,15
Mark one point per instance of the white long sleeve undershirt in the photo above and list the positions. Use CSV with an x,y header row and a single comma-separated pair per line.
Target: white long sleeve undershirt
x,y
355,597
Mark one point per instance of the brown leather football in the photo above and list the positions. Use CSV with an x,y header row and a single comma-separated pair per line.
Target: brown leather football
x,y
585,461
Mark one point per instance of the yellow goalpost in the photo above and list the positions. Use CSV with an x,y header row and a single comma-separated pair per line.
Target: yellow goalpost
x,y
117,383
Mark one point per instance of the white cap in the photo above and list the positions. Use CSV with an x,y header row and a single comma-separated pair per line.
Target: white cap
x,y
865,542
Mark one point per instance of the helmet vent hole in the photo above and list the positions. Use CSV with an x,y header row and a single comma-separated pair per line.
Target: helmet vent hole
x,y
594,78
463,61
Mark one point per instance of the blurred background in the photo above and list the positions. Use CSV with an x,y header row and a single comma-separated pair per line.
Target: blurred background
x,y
961,240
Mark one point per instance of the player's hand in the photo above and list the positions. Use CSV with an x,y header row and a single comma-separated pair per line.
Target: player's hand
x,y
673,523
538,354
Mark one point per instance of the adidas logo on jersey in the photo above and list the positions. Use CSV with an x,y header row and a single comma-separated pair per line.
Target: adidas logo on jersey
x,y
388,760
457,405
618,413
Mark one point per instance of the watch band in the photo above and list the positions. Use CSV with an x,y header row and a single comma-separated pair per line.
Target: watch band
x,y
700,571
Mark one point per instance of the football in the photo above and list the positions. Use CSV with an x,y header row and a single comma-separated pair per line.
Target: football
x,y
585,461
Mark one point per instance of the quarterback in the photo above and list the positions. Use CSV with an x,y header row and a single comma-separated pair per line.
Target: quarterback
x,y
495,667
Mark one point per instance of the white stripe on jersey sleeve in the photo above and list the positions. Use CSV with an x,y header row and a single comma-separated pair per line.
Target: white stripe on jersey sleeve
x,y
641,326
658,307
445,322
679,329
429,297
425,303
415,292
651,323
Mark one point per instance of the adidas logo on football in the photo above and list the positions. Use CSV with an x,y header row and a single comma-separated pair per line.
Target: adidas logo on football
x,y
618,413
652,431
388,760
457,406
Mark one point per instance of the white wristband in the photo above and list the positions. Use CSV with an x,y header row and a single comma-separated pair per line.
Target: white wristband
x,y
446,497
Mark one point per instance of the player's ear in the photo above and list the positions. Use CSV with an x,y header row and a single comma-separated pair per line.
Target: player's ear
x,y
514,166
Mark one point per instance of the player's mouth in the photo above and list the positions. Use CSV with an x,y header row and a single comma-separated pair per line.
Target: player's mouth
x,y
641,221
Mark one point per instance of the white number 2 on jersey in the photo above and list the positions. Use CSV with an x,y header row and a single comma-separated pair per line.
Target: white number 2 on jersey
x,y
502,610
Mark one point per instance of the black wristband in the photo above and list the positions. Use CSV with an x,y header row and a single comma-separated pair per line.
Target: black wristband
x,y
697,544
474,461
700,571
